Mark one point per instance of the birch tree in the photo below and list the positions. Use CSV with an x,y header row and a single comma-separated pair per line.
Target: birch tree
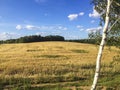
x,y
110,11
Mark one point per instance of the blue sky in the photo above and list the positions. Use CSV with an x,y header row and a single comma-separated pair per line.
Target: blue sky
x,y
73,19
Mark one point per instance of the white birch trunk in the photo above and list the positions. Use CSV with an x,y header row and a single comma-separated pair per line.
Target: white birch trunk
x,y
101,47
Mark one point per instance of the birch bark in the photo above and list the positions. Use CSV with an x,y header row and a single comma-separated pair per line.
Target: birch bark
x,y
101,47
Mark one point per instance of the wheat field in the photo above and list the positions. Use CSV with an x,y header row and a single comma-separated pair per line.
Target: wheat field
x,y
51,62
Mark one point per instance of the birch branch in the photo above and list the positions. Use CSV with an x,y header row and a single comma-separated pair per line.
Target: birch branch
x,y
118,4
113,24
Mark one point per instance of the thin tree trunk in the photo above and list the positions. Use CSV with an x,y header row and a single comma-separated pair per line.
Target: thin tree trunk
x,y
101,47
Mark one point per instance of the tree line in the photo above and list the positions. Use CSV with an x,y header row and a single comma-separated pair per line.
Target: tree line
x,y
113,38
34,38
93,38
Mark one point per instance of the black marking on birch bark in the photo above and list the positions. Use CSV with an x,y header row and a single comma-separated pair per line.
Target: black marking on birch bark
x,y
105,39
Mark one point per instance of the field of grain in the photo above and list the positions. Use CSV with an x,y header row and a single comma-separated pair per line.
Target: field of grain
x,y
50,64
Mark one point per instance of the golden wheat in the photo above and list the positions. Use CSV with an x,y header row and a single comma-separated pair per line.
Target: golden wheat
x,y
50,59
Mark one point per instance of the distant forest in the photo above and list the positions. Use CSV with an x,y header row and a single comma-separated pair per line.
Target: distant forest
x,y
92,39
34,38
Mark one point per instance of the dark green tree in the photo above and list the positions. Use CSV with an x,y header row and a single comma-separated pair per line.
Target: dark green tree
x,y
95,37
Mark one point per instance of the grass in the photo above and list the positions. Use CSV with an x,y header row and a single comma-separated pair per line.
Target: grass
x,y
79,51
55,66
53,56
33,50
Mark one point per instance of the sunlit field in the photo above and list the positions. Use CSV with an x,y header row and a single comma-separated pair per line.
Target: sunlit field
x,y
56,66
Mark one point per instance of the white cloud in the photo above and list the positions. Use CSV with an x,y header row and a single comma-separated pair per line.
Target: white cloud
x,y
56,33
72,16
72,37
32,27
62,28
81,29
93,21
79,26
28,27
65,28
8,35
94,29
94,14
3,36
49,33
75,16
41,33
81,13
18,27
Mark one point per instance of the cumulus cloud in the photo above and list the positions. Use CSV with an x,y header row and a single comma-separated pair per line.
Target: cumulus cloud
x,y
8,35
72,16
75,16
29,27
4,36
81,13
32,27
94,29
18,27
94,14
